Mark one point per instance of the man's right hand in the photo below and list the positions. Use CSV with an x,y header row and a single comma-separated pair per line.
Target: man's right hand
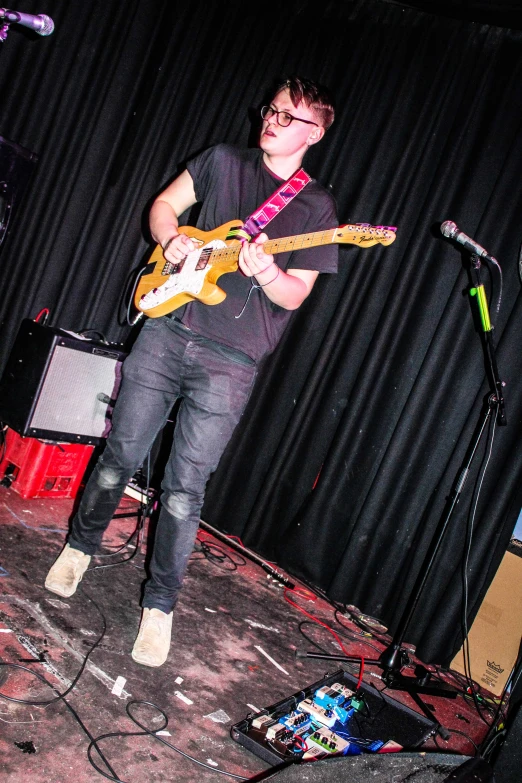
x,y
179,248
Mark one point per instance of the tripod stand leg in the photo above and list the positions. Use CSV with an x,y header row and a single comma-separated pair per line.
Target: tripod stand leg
x,y
392,659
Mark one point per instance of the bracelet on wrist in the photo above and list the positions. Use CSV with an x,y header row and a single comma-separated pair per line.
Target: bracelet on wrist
x,y
262,285
264,270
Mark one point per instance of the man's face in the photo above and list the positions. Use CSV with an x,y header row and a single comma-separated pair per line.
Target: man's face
x,y
296,137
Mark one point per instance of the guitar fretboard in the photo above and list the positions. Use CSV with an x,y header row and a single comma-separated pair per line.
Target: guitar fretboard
x,y
285,244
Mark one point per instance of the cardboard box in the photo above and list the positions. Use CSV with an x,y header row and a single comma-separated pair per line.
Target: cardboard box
x,y
495,636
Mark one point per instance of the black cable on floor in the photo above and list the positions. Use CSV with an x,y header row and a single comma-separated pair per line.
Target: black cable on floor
x,y
457,731
151,733
214,554
144,512
80,672
61,696
93,741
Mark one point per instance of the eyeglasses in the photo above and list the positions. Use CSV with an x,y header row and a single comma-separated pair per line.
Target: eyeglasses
x,y
283,118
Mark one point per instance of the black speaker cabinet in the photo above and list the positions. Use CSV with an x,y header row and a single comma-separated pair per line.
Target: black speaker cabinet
x,y
16,167
404,767
508,761
57,386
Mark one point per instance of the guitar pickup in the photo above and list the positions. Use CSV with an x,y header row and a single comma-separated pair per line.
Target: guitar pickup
x,y
203,259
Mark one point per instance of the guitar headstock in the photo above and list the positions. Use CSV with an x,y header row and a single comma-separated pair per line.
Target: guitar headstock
x,y
365,235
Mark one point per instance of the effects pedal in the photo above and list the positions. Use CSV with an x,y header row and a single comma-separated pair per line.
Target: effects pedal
x,y
296,721
338,703
263,722
330,743
325,716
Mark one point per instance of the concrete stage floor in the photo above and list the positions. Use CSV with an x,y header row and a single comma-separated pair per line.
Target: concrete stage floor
x,y
233,652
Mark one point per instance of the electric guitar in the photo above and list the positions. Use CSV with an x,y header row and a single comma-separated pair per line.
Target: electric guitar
x,y
164,286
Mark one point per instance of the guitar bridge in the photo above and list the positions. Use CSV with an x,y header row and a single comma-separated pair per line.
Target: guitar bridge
x,y
172,269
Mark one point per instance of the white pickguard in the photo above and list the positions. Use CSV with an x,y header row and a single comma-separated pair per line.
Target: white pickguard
x,y
189,280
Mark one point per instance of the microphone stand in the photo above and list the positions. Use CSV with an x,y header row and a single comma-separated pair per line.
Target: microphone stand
x,y
479,292
395,657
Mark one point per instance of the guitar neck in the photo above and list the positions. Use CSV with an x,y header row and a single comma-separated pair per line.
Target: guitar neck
x,y
300,241
285,244
361,234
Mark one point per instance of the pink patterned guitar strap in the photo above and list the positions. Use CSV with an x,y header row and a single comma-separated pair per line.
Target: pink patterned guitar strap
x,y
257,221
266,212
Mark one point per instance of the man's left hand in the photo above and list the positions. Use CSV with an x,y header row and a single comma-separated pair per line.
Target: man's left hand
x,y
253,260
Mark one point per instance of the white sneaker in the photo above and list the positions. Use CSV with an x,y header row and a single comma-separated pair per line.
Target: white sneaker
x,y
67,572
152,644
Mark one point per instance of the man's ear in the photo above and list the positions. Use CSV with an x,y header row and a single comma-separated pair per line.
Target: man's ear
x,y
316,135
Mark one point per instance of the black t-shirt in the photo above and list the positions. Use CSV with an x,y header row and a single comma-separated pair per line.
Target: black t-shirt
x,y
231,183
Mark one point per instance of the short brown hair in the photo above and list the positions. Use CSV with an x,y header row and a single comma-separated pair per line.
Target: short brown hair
x,y
314,95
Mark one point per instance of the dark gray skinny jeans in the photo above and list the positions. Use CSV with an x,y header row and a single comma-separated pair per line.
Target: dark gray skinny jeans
x,y
167,361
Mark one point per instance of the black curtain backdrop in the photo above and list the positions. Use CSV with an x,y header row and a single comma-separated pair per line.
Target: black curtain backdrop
x,y
359,423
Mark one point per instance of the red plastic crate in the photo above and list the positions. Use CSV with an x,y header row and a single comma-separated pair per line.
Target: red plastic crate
x,y
44,470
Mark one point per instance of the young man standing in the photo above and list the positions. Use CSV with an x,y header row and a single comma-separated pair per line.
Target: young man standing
x,y
207,355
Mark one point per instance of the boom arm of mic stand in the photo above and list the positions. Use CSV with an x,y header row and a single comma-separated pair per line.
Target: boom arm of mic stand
x,y
273,572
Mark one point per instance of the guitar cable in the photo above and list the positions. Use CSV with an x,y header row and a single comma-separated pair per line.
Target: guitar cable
x,y
131,300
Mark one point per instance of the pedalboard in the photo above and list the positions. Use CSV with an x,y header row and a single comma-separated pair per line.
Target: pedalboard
x,y
332,717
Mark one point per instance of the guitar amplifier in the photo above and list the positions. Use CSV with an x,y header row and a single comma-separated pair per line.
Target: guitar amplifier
x,y
58,386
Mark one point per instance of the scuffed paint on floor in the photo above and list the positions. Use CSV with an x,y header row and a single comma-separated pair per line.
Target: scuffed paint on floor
x,y
233,652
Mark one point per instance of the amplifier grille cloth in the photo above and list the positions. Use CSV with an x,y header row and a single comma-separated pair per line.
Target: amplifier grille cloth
x,y
68,401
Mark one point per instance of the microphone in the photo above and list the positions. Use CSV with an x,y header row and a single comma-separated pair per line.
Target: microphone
x,y
41,24
450,230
